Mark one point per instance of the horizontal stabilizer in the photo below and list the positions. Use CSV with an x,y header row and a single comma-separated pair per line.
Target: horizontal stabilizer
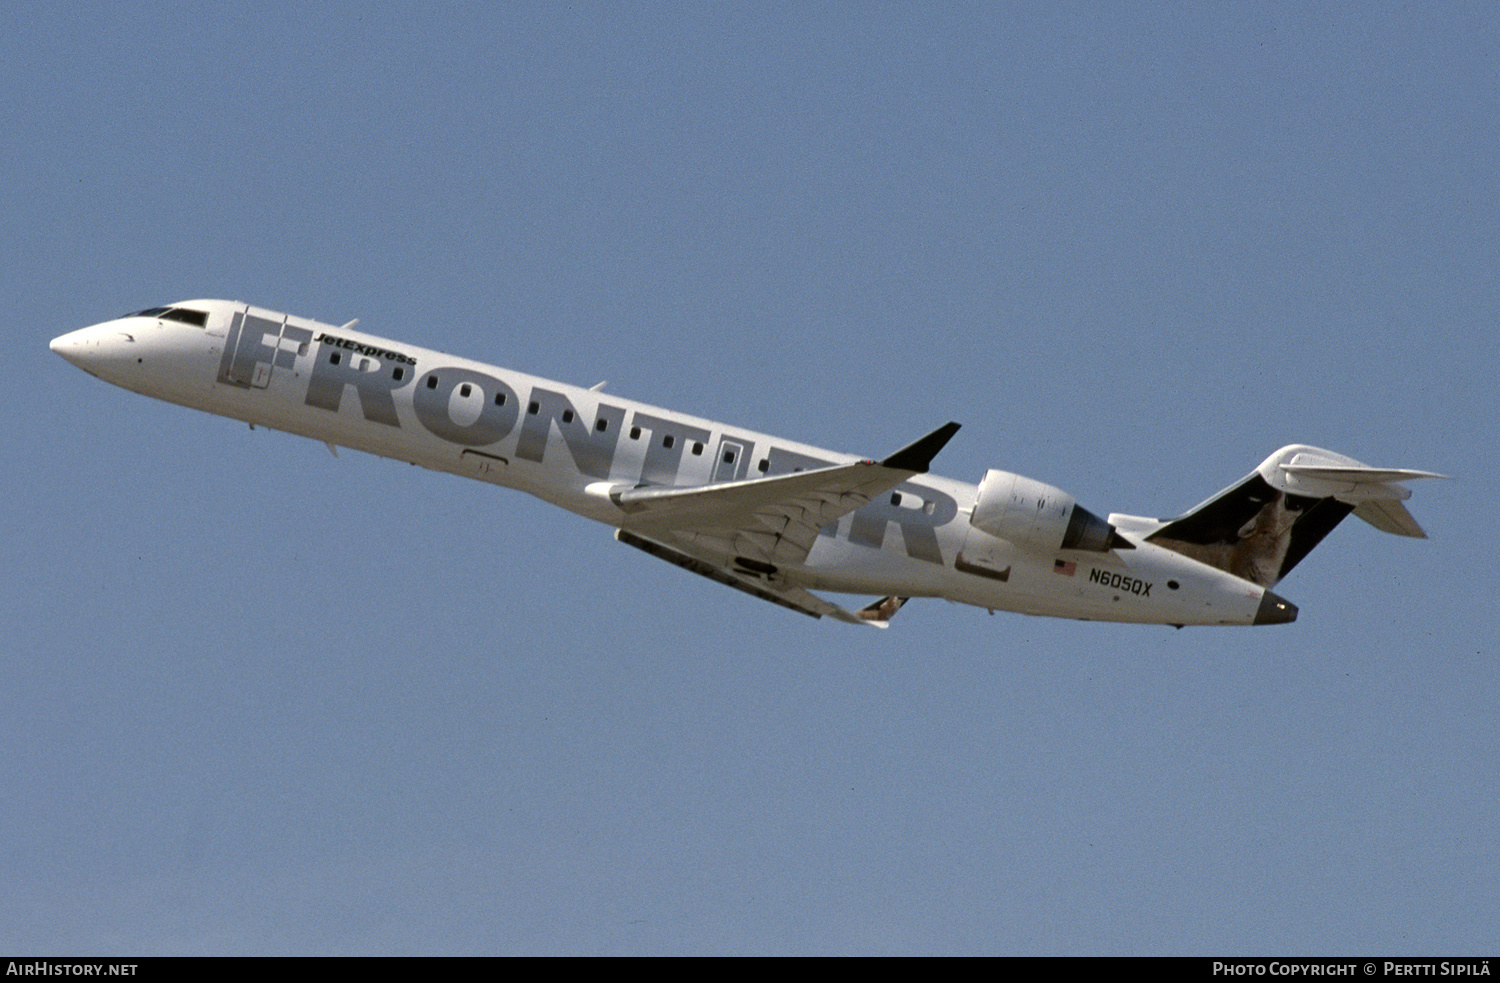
x,y
1375,493
1359,476
1391,517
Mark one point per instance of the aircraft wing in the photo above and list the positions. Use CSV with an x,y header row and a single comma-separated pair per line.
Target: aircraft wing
x,y
877,615
770,520
740,533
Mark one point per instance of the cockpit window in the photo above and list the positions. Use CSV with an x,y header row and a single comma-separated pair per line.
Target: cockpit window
x,y
198,319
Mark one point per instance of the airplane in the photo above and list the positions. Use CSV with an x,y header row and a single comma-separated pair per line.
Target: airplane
x,y
770,517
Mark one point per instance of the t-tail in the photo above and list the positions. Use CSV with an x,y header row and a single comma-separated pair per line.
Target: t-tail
x,y
1262,527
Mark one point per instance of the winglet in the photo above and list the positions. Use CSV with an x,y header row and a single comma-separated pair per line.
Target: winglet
x,y
880,613
917,456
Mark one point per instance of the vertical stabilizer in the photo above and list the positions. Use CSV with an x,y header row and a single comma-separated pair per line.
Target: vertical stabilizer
x,y
1262,527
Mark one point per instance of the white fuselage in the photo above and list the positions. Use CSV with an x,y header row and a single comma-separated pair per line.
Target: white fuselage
x,y
571,446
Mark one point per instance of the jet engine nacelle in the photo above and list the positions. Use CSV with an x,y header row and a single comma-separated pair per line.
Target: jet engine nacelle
x,y
1030,513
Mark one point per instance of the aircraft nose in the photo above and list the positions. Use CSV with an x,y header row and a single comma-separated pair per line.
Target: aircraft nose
x,y
96,349
1275,610
72,346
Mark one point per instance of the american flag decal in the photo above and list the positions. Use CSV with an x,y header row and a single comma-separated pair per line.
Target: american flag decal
x,y
1065,567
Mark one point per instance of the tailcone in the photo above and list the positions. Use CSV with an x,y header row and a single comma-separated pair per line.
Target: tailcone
x,y
1275,610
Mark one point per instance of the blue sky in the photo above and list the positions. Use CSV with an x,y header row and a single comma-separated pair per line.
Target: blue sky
x,y
262,700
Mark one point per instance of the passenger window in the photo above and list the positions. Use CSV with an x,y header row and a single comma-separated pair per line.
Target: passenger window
x,y
635,433
464,390
764,465
335,358
601,424
697,448
398,373
729,457
533,407
432,382
499,399
567,416
668,440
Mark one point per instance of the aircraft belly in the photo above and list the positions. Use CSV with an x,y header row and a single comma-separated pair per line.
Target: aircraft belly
x,y
837,564
1144,585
